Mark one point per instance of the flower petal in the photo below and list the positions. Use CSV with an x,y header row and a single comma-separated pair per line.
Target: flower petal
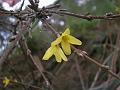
x,y
67,31
6,81
57,41
66,47
58,57
74,40
49,53
60,52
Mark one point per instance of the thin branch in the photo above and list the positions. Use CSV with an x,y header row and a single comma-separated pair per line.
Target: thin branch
x,y
21,5
12,45
36,62
80,74
50,26
87,17
98,72
115,55
103,67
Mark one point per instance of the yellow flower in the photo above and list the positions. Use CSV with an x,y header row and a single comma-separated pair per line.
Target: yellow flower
x,y
6,81
66,39
57,51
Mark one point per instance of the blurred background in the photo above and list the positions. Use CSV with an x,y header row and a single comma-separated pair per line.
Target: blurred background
x,y
101,40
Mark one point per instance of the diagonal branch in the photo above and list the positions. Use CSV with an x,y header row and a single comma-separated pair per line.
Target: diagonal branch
x,y
103,67
35,60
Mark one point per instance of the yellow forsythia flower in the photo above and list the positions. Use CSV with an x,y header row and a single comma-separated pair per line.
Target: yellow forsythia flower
x,y
57,51
66,39
6,81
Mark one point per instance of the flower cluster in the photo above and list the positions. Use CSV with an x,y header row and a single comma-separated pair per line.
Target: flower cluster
x,y
65,40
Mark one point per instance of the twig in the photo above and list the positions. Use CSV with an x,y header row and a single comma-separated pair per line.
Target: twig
x,y
36,62
12,45
87,17
103,67
98,72
52,29
115,55
21,5
80,74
